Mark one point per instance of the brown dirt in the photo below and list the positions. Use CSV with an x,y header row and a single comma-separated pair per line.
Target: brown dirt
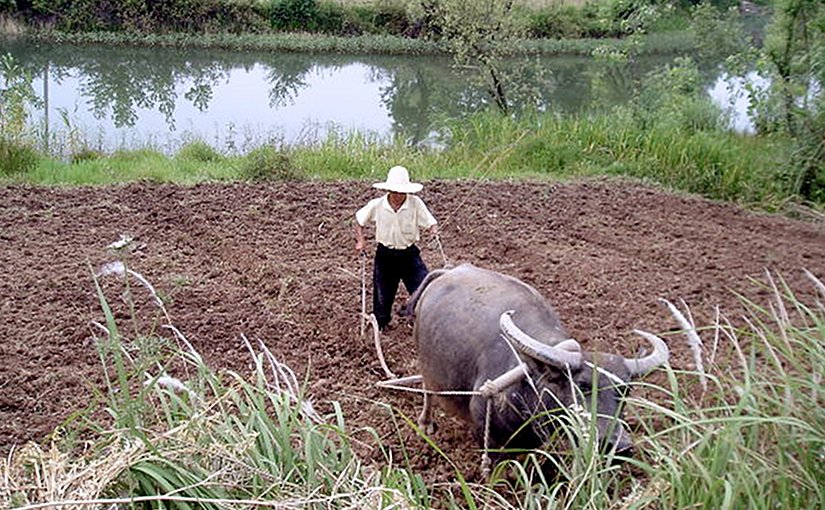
x,y
276,262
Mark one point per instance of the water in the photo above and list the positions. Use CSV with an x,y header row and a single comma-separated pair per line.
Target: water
x,y
120,97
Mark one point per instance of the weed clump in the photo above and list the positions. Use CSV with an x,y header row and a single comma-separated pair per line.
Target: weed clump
x,y
200,152
84,155
16,157
268,164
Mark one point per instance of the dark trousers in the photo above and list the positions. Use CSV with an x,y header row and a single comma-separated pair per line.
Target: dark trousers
x,y
390,267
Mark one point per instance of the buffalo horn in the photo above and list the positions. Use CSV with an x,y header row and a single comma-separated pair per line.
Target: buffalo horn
x,y
639,366
569,354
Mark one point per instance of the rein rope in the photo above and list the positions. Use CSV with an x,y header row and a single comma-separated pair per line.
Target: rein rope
x,y
363,292
400,384
441,250
504,152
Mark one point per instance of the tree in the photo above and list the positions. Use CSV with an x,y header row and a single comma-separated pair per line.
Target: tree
x,y
480,35
795,56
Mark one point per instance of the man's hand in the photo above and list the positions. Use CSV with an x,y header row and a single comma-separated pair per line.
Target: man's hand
x,y
359,238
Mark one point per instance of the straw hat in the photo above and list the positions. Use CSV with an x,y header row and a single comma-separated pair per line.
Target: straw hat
x,y
398,180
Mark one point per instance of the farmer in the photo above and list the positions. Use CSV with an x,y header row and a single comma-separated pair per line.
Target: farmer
x,y
398,216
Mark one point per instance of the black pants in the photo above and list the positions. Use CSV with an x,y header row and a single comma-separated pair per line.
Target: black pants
x,y
390,267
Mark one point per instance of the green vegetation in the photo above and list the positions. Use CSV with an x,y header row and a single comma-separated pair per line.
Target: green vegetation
x,y
17,155
750,438
405,18
280,42
670,134
267,163
652,44
795,58
685,152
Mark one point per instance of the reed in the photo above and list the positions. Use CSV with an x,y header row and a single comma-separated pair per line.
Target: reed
x,y
205,440
753,440
209,439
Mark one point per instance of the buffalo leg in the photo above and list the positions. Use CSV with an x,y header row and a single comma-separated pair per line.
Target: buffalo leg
x,y
425,420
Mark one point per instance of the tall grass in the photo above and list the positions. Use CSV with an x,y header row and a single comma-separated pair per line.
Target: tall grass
x,y
711,162
207,440
753,438
756,438
714,163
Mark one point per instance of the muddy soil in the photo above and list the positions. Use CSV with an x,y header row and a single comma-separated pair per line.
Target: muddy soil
x,y
276,263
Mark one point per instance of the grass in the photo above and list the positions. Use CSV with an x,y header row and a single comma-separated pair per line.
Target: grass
x,y
530,4
208,441
679,147
657,43
280,42
711,162
130,166
752,439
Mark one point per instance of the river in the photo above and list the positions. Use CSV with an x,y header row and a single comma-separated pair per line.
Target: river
x,y
111,97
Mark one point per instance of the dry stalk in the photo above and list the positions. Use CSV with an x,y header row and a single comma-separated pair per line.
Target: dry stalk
x,y
780,312
716,327
819,287
693,340
35,474
284,380
119,269
730,332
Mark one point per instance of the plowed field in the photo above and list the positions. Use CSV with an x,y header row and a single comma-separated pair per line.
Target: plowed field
x,y
276,262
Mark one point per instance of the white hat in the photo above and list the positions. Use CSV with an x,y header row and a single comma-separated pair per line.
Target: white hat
x,y
398,180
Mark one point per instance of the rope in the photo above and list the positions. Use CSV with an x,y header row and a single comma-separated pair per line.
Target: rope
x,y
505,151
441,250
485,457
363,293
394,384
397,384
376,334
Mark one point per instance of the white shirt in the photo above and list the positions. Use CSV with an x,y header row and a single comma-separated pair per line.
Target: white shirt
x,y
396,229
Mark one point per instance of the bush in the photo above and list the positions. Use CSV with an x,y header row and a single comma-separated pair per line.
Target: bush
x,y
331,19
143,16
8,6
84,155
558,22
16,157
674,97
268,164
294,15
199,151
614,18
391,19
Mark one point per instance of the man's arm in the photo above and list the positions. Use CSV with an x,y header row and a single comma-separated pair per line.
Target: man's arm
x,y
359,237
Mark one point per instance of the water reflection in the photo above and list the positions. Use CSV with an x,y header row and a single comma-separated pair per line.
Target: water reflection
x,y
127,97
732,94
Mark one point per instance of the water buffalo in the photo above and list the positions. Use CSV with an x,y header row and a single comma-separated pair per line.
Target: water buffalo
x,y
480,331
